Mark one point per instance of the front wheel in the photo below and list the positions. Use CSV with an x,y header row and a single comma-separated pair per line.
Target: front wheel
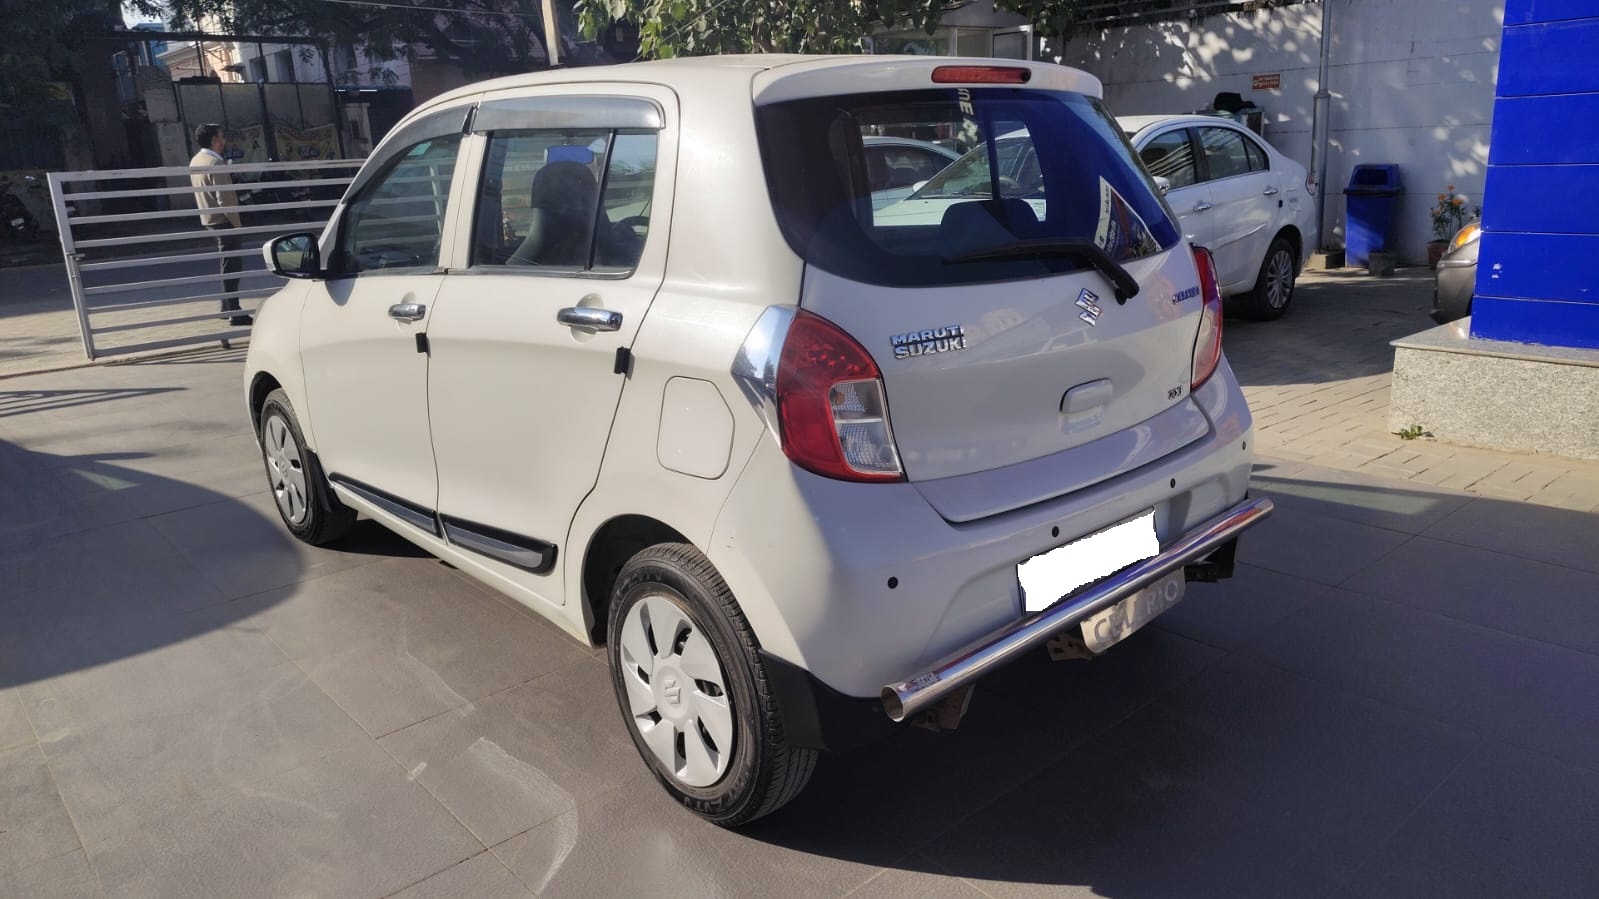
x,y
692,691
304,499
1274,286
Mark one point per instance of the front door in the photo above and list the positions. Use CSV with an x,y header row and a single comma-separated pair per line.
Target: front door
x,y
1171,155
526,371
365,380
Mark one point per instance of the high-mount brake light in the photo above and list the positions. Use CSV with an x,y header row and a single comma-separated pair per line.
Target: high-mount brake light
x,y
981,75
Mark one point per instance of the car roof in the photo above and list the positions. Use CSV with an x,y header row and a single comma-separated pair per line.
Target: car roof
x,y
1136,124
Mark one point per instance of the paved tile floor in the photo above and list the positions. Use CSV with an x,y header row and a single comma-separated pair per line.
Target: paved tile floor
x,y
1398,695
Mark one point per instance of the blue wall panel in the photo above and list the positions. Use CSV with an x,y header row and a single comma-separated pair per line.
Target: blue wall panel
x,y
1556,267
1542,199
1532,58
1523,12
1562,129
1536,321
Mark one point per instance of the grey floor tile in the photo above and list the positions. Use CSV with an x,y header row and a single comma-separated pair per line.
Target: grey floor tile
x,y
82,555
1475,678
1505,824
919,879
34,824
1318,760
1233,613
401,640
218,527
1132,813
524,756
1561,717
63,877
1362,499
479,877
14,727
349,824
637,841
1547,534
210,715
1531,599
1316,547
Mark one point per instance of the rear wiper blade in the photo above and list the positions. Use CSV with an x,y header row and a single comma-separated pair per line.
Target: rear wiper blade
x,y
1126,286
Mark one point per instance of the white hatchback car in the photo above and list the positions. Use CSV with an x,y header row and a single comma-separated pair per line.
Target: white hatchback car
x,y
632,345
1232,192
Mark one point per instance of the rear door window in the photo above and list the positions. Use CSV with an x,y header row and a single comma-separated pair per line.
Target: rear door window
x,y
1225,153
1171,156
1035,168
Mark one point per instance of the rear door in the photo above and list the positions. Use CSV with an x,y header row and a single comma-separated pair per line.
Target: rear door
x,y
1245,205
1173,155
557,275
994,347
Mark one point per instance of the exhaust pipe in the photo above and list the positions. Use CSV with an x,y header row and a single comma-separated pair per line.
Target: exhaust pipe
x,y
906,698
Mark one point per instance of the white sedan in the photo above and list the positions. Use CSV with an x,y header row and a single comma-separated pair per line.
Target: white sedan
x,y
1236,194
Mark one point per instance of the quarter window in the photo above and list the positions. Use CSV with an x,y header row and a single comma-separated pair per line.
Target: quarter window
x,y
398,219
1258,161
571,201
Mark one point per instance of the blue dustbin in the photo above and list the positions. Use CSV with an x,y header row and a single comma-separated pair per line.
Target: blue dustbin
x,y
1370,198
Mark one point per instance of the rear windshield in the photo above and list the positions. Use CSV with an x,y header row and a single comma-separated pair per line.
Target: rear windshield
x,y
1030,167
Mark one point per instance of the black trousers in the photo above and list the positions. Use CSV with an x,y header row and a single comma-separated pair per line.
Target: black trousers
x,y
231,265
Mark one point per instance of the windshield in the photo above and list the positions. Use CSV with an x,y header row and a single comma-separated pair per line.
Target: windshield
x,y
1038,169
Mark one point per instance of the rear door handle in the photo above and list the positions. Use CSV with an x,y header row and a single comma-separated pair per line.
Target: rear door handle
x,y
1201,206
407,312
590,318
1271,191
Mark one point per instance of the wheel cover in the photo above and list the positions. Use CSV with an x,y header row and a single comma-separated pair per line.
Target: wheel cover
x,y
676,691
285,470
1279,279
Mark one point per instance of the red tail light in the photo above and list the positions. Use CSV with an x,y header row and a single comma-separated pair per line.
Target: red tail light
x,y
981,75
831,406
1207,343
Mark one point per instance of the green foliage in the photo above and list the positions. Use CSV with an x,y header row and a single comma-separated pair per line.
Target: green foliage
x,y
670,28
37,42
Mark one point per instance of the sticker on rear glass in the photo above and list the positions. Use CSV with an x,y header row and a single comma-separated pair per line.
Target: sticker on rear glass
x,y
1121,232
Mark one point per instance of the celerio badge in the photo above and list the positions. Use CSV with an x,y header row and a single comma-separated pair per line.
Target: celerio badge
x,y
1089,303
933,340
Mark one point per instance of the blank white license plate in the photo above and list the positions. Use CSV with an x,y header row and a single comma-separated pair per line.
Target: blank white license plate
x,y
1047,577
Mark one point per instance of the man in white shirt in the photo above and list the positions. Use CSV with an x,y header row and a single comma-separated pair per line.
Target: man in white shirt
x,y
219,211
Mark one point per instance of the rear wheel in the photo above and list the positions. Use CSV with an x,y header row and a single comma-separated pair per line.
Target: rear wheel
x,y
304,499
1274,286
690,684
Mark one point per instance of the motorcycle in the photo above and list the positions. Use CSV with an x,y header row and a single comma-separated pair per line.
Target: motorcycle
x,y
16,222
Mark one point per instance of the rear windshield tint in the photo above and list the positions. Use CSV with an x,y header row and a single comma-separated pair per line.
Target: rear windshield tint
x,y
1031,166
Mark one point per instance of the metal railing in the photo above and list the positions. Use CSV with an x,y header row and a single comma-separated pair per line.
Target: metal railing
x,y
141,270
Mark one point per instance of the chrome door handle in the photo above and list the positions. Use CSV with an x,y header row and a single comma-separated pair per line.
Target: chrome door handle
x,y
590,318
1271,191
407,312
1201,206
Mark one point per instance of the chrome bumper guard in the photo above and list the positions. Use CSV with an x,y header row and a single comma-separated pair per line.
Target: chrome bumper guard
x,y
906,698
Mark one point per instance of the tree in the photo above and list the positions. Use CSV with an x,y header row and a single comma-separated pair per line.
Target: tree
x,y
37,41
483,37
701,27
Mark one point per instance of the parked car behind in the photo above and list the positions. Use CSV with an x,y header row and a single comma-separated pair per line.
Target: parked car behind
x,y
895,165
1455,279
1236,194
632,345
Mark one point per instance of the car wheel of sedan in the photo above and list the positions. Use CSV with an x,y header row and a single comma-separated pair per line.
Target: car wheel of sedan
x,y
304,499
1274,287
692,691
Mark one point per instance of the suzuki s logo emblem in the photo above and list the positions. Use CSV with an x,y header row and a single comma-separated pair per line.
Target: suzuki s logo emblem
x,y
1089,303
673,691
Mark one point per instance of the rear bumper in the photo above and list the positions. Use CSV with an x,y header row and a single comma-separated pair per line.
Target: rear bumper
x,y
905,698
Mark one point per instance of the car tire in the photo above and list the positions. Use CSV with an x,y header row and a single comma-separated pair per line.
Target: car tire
x,y
1274,286
301,492
693,693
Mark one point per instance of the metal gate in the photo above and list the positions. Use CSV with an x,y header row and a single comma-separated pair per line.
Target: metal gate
x,y
141,266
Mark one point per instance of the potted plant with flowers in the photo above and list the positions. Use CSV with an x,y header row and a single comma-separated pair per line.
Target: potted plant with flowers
x,y
1448,216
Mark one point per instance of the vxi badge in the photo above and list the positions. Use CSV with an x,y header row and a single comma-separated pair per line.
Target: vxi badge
x,y
925,343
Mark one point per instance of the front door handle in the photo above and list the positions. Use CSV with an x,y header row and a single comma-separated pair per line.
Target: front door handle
x,y
590,318
407,312
1271,191
1201,206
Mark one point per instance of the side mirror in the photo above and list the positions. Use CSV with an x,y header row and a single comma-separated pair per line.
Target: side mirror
x,y
1164,183
918,186
294,256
